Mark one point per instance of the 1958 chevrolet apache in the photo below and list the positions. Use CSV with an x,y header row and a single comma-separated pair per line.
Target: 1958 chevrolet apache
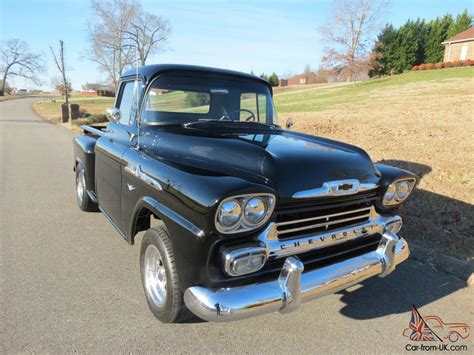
x,y
242,217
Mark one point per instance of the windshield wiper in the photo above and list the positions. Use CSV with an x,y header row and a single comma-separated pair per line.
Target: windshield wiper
x,y
231,122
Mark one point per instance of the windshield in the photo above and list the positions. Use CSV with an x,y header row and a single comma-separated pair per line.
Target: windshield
x,y
175,99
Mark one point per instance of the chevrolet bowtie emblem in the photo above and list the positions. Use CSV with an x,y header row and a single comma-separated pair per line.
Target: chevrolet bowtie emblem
x,y
336,188
345,187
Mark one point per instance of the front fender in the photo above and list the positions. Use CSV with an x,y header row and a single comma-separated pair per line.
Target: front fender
x,y
390,174
165,214
190,244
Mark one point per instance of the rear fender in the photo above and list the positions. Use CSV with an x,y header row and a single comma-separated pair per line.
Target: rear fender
x,y
84,154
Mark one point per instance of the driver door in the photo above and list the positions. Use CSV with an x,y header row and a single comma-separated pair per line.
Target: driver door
x,y
110,149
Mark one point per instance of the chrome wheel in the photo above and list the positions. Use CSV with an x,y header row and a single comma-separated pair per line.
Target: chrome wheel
x,y
80,185
155,276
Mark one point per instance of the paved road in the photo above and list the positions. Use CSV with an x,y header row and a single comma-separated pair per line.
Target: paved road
x,y
69,283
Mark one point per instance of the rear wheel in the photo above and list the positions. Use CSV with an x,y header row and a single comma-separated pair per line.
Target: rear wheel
x,y
160,277
83,200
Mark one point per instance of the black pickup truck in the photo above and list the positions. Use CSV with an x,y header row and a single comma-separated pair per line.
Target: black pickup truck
x,y
241,216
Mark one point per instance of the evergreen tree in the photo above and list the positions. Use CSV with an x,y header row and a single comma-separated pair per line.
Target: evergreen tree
x,y
414,43
438,32
409,45
273,80
383,53
462,23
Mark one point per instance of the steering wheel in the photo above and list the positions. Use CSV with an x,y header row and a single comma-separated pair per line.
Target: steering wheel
x,y
251,117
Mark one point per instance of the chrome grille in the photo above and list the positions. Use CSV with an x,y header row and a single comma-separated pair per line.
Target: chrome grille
x,y
322,223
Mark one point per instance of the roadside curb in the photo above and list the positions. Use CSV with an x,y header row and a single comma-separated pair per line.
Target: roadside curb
x,y
439,261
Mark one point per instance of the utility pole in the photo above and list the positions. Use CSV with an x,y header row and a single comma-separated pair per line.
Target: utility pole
x,y
61,67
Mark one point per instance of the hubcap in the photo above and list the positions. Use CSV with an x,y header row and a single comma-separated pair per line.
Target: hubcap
x,y
155,276
80,185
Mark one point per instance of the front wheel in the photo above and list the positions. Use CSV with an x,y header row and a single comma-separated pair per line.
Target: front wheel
x,y
160,277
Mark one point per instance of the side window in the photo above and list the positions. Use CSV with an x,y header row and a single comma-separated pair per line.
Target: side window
x,y
128,102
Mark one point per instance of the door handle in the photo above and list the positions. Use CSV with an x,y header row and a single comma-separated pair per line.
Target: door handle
x,y
132,136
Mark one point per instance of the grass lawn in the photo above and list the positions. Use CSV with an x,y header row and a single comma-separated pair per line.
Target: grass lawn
x,y
322,98
285,89
419,121
51,108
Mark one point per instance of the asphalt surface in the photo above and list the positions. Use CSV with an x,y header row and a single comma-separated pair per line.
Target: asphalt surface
x,y
69,283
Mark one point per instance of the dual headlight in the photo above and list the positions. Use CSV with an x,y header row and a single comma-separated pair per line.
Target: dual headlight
x,y
244,212
397,192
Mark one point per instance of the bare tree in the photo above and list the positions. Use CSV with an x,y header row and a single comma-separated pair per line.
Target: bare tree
x,y
17,60
146,33
348,34
59,60
108,47
60,87
121,32
7,88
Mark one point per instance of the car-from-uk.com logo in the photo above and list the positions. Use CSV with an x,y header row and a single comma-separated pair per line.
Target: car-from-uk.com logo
x,y
431,333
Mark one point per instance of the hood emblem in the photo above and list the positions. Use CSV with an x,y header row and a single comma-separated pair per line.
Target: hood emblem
x,y
136,170
336,188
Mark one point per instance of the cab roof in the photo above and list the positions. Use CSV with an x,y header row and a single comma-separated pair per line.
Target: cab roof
x,y
150,71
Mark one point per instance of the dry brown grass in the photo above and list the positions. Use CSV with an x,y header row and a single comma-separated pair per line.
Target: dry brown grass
x,y
424,127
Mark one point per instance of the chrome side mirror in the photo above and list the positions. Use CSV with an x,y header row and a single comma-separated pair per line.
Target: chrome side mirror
x,y
289,123
113,114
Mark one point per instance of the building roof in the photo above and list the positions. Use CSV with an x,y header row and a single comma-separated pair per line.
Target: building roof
x,y
150,71
467,35
299,76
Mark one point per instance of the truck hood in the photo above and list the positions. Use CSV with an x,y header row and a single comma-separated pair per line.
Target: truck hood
x,y
286,161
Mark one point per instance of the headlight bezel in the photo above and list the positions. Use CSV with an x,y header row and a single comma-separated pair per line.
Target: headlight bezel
x,y
395,200
244,225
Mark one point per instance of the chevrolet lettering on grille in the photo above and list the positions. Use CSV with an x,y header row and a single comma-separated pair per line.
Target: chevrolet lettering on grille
x,y
329,239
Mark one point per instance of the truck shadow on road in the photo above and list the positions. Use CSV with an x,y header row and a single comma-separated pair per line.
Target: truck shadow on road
x,y
410,284
435,222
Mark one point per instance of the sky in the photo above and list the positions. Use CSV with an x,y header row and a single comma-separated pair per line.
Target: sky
x,y
256,35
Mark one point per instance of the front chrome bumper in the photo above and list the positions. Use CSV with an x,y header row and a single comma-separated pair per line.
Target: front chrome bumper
x,y
293,286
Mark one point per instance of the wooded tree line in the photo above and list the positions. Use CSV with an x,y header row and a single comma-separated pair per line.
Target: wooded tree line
x,y
414,43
